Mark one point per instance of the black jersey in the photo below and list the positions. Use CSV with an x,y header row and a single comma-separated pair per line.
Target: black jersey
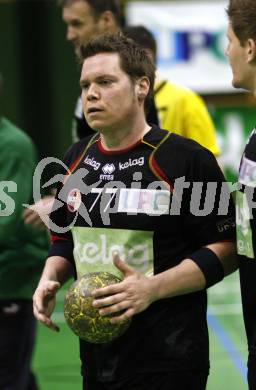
x,y
124,203
81,129
246,238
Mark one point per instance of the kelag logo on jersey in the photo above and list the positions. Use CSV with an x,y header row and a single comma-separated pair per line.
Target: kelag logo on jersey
x,y
94,249
131,163
92,163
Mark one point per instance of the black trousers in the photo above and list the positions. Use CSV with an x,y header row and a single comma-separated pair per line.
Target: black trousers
x,y
156,381
17,338
251,376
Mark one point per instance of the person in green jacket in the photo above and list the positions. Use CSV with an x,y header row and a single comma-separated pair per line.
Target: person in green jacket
x,y
22,253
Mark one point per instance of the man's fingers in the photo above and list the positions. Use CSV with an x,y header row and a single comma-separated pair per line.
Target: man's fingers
x,y
29,216
38,213
27,212
123,266
48,291
47,322
43,295
34,220
109,290
123,317
109,300
44,302
38,307
52,287
119,307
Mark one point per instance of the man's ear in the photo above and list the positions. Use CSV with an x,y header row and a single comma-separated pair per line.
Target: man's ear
x,y
251,50
142,88
107,22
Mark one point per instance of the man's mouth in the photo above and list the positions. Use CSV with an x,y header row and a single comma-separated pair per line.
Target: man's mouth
x,y
93,110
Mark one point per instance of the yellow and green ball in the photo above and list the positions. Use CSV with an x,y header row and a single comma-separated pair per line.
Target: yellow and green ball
x,y
84,319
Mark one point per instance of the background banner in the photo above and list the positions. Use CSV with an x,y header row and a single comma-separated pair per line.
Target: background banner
x,y
191,40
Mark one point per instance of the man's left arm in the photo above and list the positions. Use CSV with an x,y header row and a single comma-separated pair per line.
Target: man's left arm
x,y
136,292
189,277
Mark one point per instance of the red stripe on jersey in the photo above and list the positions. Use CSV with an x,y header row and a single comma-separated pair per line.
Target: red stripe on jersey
x,y
159,172
75,163
72,167
57,238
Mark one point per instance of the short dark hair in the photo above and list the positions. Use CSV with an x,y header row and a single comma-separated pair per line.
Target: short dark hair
x,y
242,16
142,36
99,6
134,60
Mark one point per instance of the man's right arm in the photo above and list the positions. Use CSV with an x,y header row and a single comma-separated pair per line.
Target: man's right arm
x,y
56,272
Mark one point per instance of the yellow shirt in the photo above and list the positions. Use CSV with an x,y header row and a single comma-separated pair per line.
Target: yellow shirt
x,y
183,112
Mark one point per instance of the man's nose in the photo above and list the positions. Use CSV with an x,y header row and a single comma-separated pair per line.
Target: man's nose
x,y
71,34
93,92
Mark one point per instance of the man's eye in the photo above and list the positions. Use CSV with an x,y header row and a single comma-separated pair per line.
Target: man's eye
x,y
105,82
76,24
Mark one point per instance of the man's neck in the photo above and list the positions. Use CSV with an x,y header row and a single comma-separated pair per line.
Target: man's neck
x,y
123,138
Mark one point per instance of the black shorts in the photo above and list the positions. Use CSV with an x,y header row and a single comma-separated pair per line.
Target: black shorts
x,y
251,376
17,339
156,381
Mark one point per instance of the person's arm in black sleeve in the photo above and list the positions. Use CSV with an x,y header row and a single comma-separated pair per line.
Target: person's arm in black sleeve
x,y
210,217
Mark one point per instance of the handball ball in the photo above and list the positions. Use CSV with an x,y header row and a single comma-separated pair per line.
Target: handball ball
x,y
84,319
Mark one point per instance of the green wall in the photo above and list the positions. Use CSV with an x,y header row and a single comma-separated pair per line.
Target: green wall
x,y
40,72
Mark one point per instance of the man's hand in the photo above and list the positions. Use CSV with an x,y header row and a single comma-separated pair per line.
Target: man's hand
x,y
131,296
44,303
37,215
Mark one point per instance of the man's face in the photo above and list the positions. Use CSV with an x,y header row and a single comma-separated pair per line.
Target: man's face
x,y
238,59
81,23
108,94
